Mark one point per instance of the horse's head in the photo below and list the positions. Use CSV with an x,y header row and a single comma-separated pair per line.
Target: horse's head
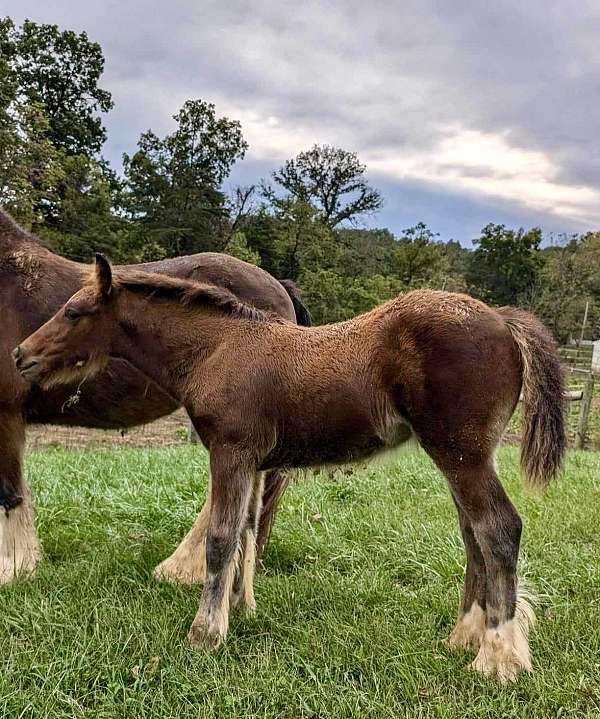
x,y
77,341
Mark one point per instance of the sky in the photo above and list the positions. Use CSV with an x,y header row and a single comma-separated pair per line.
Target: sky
x,y
464,113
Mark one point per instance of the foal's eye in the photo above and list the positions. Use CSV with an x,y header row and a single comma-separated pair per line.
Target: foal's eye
x,y
72,314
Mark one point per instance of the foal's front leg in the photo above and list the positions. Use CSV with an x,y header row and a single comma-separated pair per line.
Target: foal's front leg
x,y
232,483
187,564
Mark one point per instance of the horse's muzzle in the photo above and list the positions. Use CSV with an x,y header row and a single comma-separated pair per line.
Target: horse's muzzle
x,y
23,363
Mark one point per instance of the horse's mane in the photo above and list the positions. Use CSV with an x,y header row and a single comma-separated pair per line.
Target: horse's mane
x,y
189,292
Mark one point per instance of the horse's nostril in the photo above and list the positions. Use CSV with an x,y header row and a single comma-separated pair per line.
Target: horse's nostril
x,y
22,362
16,353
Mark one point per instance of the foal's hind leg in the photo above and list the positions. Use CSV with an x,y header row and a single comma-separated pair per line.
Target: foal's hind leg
x,y
504,649
470,625
243,584
232,485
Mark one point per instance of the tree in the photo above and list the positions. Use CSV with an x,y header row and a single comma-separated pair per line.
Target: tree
x,y
562,298
50,177
237,246
420,261
172,184
31,168
333,297
366,252
86,222
301,239
59,70
332,180
504,269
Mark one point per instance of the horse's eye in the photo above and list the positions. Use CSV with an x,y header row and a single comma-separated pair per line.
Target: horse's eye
x,y
72,314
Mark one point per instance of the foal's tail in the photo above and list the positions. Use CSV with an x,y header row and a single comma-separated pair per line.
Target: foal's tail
x,y
302,314
544,438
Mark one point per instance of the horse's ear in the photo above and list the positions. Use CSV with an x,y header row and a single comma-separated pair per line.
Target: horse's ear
x,y
103,275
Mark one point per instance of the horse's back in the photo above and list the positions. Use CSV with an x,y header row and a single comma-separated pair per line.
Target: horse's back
x,y
249,283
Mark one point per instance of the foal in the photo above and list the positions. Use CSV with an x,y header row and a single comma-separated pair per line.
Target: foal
x,y
266,394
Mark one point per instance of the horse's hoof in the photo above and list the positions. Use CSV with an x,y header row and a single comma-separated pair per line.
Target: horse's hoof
x,y
200,636
10,573
504,653
505,671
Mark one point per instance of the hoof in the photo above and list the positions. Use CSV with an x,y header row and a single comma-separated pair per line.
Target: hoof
x,y
504,652
9,572
242,603
19,545
469,630
505,668
201,636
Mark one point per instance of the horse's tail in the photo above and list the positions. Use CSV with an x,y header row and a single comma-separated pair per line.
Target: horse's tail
x,y
275,485
544,438
302,314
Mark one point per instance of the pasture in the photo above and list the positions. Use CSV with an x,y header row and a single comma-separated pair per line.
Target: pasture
x,y
360,588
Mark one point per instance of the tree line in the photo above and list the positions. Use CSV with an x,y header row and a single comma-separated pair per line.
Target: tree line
x,y
301,223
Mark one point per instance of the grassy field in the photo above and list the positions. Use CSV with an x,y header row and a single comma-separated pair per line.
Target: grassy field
x,y
361,586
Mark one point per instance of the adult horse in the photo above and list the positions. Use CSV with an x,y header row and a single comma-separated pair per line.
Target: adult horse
x,y
34,283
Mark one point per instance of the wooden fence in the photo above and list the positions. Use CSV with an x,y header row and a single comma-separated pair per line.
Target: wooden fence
x,y
585,397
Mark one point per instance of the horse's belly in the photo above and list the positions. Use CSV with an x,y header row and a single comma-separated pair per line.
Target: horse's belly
x,y
331,446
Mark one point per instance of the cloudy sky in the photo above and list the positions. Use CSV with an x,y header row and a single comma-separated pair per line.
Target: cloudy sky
x,y
463,112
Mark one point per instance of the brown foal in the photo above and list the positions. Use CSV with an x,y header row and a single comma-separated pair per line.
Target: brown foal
x,y
266,394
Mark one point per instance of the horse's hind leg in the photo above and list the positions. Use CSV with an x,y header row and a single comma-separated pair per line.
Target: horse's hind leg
x,y
19,544
232,484
187,564
243,584
470,625
504,649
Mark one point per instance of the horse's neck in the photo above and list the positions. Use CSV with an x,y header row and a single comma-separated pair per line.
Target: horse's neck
x,y
40,281
161,341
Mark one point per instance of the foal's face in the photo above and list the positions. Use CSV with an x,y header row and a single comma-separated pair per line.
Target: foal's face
x,y
76,342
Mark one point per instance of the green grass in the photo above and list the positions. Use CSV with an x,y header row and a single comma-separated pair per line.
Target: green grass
x,y
361,586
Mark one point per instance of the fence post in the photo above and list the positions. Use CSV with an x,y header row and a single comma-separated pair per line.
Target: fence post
x,y
584,412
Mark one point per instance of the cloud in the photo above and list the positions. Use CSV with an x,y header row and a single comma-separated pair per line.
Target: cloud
x,y
489,101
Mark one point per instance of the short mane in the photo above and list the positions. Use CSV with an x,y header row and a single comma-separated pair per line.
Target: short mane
x,y
189,292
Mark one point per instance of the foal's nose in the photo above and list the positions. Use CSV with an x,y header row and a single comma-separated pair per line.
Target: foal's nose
x,y
18,356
